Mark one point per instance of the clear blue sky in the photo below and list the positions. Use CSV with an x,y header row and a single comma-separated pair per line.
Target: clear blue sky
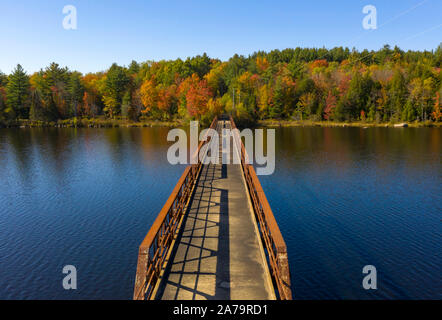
x,y
119,31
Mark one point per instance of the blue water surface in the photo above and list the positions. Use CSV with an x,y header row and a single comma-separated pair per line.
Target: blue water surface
x,y
343,198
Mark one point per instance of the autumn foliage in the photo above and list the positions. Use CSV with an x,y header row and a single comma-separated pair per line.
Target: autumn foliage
x,y
315,84
197,98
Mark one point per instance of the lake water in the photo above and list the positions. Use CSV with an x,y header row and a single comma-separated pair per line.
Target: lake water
x,y
343,198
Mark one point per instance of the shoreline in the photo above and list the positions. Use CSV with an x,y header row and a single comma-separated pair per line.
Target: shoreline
x,y
272,123
93,123
308,123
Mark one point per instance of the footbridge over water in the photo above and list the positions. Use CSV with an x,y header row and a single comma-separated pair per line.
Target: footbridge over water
x,y
216,236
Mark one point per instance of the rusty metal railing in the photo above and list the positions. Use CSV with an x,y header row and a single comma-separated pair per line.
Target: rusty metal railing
x,y
270,233
156,246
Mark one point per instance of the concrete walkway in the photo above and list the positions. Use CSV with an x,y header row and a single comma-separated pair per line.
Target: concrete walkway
x,y
218,254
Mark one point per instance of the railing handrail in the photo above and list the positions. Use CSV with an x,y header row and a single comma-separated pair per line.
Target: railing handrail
x,y
155,228
270,218
162,231
269,229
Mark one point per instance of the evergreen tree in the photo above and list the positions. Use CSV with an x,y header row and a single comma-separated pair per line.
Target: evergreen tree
x,y
397,95
3,79
409,112
276,109
371,116
53,88
134,68
2,104
76,92
126,104
3,82
438,56
115,86
17,93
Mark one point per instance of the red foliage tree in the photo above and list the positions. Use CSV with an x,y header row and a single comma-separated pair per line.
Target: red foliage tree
x,y
197,97
330,104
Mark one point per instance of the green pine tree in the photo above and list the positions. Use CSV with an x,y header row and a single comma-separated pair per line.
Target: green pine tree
x,y
116,84
409,112
397,94
76,91
17,93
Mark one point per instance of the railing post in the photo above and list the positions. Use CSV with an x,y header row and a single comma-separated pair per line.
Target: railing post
x,y
284,271
140,278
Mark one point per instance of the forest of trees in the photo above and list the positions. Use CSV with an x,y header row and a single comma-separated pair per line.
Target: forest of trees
x,y
339,84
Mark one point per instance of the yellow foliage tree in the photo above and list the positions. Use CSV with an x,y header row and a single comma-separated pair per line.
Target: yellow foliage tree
x,y
148,95
437,112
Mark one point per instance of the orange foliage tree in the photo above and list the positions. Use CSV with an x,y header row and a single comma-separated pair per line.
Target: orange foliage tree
x,y
148,95
437,113
197,98
166,97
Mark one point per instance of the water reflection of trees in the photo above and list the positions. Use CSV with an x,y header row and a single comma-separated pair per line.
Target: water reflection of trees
x,y
20,145
299,147
135,143
40,150
55,151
